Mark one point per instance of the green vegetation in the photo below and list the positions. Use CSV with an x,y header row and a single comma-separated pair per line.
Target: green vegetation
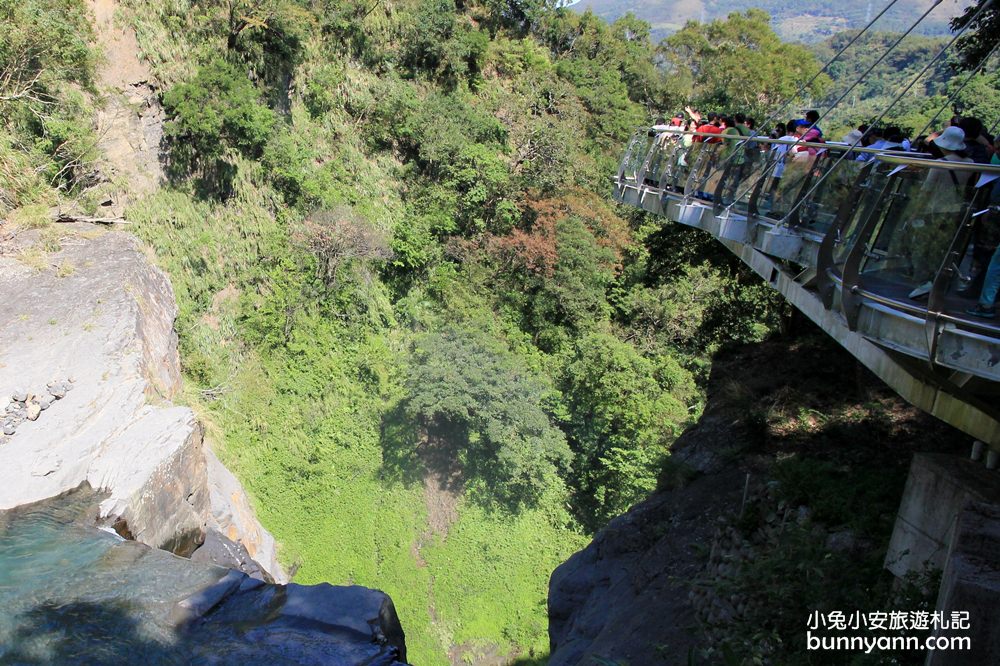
x,y
418,336
984,33
426,346
218,112
433,351
790,20
46,66
401,298
624,410
468,391
929,96
815,532
739,63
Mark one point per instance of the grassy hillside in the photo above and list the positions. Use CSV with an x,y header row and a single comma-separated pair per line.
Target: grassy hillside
x,y
416,333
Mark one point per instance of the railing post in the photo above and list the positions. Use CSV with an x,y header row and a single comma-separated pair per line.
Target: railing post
x,y
849,299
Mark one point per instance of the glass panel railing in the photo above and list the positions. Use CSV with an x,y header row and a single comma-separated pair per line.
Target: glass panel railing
x,y
730,156
635,156
678,166
869,187
660,158
915,226
742,173
704,159
832,189
789,178
836,185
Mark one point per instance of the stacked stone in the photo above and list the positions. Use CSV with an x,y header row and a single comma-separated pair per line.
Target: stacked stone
x,y
28,406
715,597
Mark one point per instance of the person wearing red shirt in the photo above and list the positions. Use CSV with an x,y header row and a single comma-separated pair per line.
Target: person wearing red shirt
x,y
713,126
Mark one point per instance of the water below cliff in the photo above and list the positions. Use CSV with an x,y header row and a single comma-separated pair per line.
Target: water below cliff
x,y
71,593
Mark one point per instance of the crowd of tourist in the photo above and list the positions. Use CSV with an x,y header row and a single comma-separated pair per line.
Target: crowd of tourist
x,y
962,139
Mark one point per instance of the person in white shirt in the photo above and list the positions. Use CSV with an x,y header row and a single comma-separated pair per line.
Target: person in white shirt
x,y
939,210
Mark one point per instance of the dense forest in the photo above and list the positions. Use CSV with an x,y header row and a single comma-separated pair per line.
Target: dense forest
x,y
416,327
938,92
398,274
796,21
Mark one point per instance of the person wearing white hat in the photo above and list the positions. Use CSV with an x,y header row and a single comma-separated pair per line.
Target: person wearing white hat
x,y
945,182
853,137
951,140
943,202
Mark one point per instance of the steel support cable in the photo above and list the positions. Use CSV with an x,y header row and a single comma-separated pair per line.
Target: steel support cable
x,y
858,81
895,101
887,109
805,86
954,95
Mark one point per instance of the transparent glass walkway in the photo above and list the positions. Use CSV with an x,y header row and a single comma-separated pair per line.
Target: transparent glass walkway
x,y
881,244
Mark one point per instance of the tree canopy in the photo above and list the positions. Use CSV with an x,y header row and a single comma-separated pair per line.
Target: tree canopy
x,y
465,388
982,36
739,64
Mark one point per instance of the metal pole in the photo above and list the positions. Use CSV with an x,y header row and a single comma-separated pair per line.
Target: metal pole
x,y
894,102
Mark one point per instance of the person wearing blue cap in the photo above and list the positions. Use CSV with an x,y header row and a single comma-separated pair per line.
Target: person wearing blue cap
x,y
806,133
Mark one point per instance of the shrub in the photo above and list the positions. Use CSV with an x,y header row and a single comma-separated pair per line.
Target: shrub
x,y
343,239
216,112
469,393
624,411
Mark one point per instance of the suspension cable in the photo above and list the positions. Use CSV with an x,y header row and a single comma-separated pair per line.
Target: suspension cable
x,y
856,83
905,90
775,114
954,95
885,55
805,86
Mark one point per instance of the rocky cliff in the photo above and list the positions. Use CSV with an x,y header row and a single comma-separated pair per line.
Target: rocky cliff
x,y
73,594
798,460
88,360
625,596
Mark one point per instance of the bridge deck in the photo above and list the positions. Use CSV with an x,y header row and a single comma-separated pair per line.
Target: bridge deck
x,y
857,233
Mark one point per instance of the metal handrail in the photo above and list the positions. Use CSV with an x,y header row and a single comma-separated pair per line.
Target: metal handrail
x,y
891,156
942,164
843,212
915,310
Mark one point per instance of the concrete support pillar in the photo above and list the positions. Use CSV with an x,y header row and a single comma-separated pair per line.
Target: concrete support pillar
x,y
992,459
977,450
971,583
937,489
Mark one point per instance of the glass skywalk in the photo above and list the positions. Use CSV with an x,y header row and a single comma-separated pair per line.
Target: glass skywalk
x,y
886,239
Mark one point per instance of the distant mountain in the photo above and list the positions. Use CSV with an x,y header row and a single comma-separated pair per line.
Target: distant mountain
x,y
793,21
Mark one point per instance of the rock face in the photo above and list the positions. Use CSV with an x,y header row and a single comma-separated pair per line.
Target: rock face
x,y
317,624
234,534
130,121
656,585
625,596
78,595
94,340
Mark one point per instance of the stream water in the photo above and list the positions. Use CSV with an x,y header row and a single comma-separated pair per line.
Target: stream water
x,y
72,593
